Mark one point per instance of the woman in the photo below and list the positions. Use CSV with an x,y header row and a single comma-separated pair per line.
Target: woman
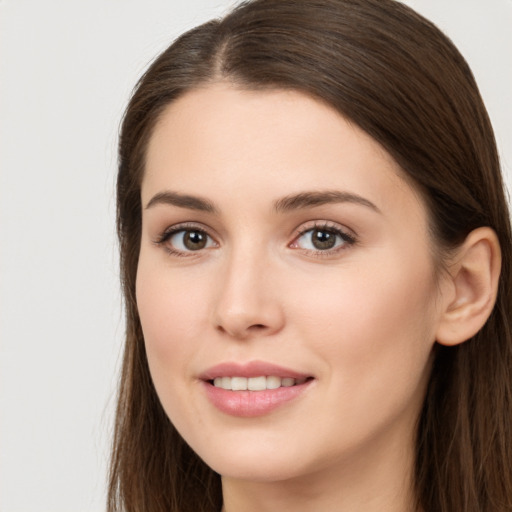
x,y
315,251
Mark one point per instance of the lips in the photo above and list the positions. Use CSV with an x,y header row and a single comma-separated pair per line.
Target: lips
x,y
253,389
251,369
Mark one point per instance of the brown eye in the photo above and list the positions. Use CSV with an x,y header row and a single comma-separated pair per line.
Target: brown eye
x,y
189,240
195,240
323,239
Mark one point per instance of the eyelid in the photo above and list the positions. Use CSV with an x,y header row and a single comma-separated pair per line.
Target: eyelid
x,y
324,224
348,235
170,231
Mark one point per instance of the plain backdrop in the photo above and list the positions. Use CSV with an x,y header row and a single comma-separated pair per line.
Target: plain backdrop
x,y
66,71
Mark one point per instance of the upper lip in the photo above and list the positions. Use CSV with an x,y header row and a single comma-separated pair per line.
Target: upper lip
x,y
250,369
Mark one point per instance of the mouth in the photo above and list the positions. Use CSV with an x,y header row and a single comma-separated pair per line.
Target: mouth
x,y
260,383
253,389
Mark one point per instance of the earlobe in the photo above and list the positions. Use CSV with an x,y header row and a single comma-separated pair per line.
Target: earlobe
x,y
474,276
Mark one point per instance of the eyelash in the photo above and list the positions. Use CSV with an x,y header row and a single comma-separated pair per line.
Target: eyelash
x,y
170,232
346,238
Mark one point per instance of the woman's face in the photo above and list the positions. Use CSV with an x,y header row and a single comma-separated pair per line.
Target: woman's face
x,y
282,250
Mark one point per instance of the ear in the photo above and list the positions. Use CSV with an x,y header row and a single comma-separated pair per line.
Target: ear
x,y
473,280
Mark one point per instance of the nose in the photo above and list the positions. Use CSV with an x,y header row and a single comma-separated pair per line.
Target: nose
x,y
248,302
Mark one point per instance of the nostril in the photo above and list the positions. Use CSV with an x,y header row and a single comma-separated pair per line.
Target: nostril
x,y
257,327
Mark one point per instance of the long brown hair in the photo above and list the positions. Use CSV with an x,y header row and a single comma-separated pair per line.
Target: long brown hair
x,y
401,80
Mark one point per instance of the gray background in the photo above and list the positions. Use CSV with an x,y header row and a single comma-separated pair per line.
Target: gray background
x,y
66,70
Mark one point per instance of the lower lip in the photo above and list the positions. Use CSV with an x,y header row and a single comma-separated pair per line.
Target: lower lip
x,y
247,404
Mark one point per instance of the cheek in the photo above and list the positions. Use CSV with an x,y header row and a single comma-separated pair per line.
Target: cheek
x,y
374,335
170,310
173,326
379,322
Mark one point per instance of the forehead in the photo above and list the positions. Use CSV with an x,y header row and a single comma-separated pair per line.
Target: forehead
x,y
225,141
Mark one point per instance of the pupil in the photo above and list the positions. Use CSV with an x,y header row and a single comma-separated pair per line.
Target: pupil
x,y
194,240
324,239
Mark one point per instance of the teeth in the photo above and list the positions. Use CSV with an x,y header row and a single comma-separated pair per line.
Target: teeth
x,y
222,382
255,383
273,382
238,383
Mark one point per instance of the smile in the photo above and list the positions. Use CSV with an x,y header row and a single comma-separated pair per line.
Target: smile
x,y
261,383
253,389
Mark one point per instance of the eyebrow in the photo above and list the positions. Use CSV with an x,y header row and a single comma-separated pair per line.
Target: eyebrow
x,y
289,203
312,199
182,201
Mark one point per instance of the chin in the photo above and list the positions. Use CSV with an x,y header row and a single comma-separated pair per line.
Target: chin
x,y
255,470
257,461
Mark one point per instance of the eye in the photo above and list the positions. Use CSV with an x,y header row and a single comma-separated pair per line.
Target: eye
x,y
322,239
190,240
185,240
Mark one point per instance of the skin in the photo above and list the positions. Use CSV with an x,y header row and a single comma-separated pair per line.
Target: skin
x,y
360,318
